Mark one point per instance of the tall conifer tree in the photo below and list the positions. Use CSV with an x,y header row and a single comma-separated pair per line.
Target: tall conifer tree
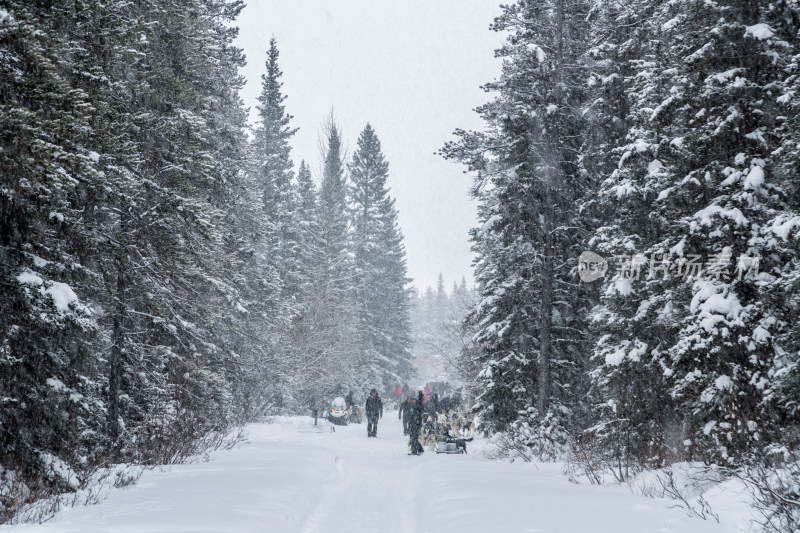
x,y
379,261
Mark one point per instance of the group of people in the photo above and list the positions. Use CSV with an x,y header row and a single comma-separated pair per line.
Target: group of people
x,y
419,413
411,413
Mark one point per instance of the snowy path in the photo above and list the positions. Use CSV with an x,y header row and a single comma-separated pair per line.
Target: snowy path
x,y
372,490
292,477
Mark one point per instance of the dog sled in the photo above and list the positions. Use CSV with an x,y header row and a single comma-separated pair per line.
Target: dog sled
x,y
452,445
439,437
356,416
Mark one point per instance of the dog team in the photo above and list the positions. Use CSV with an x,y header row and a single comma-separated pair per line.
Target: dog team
x,y
427,420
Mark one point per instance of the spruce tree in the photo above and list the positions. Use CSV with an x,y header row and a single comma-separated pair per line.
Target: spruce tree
x,y
379,262
308,231
330,356
50,332
529,183
334,271
700,181
273,170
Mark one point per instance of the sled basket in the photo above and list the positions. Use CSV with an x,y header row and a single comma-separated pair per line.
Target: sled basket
x,y
449,447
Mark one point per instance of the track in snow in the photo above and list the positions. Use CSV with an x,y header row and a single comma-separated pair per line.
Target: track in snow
x,y
294,477
373,486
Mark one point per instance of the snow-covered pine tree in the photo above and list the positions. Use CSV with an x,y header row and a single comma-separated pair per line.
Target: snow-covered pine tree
x,y
329,356
529,183
168,158
734,61
274,172
634,418
783,396
700,189
308,231
252,316
51,406
379,262
335,272
442,299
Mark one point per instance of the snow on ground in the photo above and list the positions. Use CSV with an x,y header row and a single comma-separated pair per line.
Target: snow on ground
x,y
293,477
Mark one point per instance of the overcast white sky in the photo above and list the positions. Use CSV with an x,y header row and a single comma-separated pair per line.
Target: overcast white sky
x,y
411,68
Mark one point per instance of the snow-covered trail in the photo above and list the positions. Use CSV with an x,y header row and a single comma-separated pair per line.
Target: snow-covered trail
x,y
373,488
293,477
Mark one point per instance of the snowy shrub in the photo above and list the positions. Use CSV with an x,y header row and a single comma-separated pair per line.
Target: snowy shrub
x,y
546,440
529,439
685,483
775,486
29,502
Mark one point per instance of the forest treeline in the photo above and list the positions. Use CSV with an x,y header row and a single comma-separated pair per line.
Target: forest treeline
x,y
663,136
438,333
166,273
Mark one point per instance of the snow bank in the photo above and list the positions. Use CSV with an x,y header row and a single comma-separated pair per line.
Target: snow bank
x,y
700,490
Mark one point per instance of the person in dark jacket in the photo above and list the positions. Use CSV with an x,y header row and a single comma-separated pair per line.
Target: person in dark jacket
x,y
404,414
374,410
414,425
348,400
433,405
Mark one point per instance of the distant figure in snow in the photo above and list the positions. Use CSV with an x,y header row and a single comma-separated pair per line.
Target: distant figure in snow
x,y
374,409
414,426
398,392
348,400
432,405
404,414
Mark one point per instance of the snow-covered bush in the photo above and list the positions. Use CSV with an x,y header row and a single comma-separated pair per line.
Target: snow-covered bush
x,y
775,486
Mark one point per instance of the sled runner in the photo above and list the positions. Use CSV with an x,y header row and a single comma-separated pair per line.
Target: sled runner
x,y
452,445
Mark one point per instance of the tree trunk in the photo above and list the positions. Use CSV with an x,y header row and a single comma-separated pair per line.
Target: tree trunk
x,y
545,329
115,362
552,177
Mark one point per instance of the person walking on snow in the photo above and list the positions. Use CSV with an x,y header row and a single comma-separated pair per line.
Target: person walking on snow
x,y
404,414
414,425
348,400
432,405
374,409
